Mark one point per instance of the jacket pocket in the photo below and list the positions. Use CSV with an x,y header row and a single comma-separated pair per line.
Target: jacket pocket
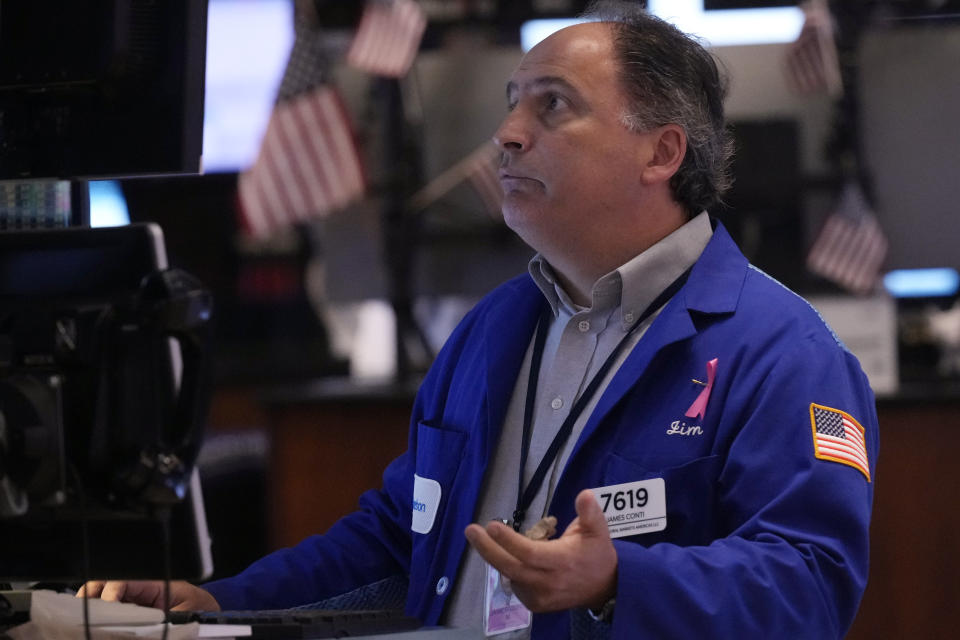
x,y
439,452
691,497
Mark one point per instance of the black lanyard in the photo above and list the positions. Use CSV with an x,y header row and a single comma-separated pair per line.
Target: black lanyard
x,y
525,496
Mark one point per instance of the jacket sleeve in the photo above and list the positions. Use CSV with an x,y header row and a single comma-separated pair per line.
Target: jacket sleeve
x,y
792,560
364,547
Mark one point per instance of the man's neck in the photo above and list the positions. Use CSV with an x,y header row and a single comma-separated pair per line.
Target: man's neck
x,y
578,273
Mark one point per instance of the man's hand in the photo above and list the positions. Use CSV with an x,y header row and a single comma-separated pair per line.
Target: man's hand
x,y
578,569
183,595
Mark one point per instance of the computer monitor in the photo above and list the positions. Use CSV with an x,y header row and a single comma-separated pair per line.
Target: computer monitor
x,y
101,88
103,367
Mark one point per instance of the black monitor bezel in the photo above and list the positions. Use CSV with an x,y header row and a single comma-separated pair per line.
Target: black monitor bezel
x,y
87,537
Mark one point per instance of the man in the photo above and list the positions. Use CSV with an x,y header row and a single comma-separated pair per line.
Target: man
x,y
704,441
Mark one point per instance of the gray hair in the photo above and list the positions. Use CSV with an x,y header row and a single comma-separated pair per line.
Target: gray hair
x,y
670,78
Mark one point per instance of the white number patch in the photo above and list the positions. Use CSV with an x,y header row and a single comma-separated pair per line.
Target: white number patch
x,y
633,508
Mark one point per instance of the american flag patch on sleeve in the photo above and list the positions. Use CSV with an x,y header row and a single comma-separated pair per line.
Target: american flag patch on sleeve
x,y
837,436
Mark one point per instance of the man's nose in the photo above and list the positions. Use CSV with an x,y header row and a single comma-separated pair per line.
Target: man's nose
x,y
512,134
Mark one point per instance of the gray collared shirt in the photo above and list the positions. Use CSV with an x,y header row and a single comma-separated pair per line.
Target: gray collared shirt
x,y
579,340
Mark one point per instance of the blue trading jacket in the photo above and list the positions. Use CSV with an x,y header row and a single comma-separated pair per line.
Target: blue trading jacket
x,y
763,538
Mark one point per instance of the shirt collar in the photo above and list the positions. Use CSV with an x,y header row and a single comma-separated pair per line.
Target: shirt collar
x,y
637,283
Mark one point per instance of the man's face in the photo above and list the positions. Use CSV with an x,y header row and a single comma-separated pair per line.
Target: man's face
x,y
570,169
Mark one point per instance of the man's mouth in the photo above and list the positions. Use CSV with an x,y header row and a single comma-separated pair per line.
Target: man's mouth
x,y
511,177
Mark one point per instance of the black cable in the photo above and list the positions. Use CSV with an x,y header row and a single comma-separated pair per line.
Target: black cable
x,y
85,551
164,513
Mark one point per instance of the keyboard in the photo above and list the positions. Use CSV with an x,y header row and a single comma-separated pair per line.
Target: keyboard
x,y
294,624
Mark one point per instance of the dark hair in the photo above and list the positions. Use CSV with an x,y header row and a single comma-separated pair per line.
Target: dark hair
x,y
670,78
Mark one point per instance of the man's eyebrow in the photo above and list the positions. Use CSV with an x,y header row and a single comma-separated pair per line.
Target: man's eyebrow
x,y
541,82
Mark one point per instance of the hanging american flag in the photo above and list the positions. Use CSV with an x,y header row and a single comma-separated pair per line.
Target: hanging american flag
x,y
482,173
851,246
837,436
479,168
811,62
308,164
388,37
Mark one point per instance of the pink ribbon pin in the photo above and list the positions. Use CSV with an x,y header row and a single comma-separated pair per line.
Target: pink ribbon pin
x,y
699,405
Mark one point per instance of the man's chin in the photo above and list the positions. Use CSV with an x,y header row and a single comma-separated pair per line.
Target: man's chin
x,y
521,220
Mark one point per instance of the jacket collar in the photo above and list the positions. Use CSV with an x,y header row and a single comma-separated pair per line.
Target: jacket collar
x,y
713,288
717,278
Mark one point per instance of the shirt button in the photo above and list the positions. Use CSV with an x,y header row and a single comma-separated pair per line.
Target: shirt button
x,y
628,317
557,402
584,326
442,585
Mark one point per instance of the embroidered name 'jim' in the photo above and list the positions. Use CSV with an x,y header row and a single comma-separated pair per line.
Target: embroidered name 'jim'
x,y
837,436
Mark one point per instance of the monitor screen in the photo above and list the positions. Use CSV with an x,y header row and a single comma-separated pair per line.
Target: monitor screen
x,y
100,88
247,48
88,392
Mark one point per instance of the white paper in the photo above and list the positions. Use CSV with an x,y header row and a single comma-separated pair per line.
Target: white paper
x,y
59,616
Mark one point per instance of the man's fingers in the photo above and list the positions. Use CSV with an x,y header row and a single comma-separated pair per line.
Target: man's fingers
x,y
590,514
150,593
516,544
147,593
491,551
91,589
113,591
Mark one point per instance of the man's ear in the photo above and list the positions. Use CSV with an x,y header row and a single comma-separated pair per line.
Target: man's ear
x,y
669,148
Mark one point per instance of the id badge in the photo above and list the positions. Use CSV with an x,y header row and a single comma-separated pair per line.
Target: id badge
x,y
633,508
502,610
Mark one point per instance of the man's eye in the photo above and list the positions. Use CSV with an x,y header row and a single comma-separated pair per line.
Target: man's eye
x,y
554,102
